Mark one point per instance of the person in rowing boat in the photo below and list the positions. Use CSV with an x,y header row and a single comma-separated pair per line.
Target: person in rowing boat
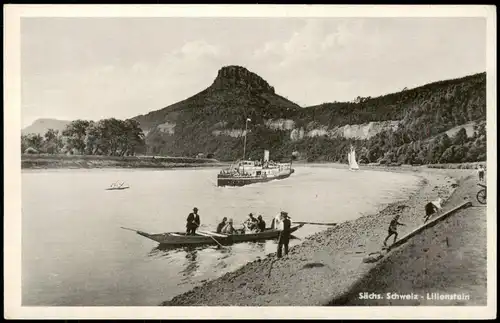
x,y
284,237
221,225
229,229
261,224
251,222
193,222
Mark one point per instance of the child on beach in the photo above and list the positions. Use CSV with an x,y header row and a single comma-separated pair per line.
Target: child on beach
x,y
432,207
480,172
393,229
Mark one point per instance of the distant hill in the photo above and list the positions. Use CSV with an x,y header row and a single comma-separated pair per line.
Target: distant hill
x,y
40,126
213,121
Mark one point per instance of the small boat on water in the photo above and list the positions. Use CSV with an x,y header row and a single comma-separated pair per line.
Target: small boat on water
x,y
115,186
180,239
351,160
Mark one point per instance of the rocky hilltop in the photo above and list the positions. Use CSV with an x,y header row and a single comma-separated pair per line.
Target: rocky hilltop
x,y
213,121
231,76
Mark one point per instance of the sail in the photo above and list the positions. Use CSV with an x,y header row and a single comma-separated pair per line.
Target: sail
x,y
351,157
354,164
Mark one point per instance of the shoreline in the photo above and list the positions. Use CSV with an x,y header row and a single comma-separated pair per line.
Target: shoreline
x,y
48,161
43,162
329,265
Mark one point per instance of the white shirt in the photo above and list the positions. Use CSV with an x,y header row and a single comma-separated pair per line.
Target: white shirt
x,y
438,203
278,222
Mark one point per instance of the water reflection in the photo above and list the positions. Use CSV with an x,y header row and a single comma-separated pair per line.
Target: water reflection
x,y
258,246
191,264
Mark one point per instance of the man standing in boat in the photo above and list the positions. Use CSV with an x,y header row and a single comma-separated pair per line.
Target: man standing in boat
x,y
193,222
284,237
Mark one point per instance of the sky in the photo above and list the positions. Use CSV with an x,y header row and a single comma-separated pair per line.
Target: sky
x,y
94,68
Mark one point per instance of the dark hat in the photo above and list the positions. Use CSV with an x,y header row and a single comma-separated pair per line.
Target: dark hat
x,y
195,209
251,214
284,213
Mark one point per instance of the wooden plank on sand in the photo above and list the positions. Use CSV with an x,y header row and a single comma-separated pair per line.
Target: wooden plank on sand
x,y
430,224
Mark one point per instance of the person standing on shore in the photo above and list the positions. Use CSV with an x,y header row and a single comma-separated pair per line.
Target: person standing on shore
x,y
480,172
393,229
193,222
276,223
284,237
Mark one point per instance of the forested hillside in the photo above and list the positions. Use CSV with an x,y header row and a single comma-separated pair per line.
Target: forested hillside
x,y
212,122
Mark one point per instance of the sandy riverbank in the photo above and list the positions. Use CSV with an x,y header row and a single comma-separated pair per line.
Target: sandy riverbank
x,y
329,265
449,258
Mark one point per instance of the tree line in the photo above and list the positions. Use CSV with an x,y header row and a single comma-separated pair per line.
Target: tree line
x,y
111,137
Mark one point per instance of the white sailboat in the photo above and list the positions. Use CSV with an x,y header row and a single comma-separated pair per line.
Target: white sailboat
x,y
351,159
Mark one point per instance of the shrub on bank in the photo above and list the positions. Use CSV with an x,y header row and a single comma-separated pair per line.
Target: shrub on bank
x,y
458,165
154,159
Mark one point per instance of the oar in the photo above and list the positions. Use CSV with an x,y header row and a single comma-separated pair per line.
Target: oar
x,y
130,229
203,225
218,243
314,223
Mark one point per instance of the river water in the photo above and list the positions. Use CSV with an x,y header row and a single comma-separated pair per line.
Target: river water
x,y
74,252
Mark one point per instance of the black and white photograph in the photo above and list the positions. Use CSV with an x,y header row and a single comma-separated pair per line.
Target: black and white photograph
x,y
256,161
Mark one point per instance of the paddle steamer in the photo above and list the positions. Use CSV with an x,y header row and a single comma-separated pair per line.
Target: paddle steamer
x,y
245,172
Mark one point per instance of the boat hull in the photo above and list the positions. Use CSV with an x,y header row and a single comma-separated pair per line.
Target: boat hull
x,y
180,239
224,180
117,188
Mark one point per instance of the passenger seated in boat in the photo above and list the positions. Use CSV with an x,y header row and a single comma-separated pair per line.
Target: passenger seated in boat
x,y
251,223
261,224
229,229
221,225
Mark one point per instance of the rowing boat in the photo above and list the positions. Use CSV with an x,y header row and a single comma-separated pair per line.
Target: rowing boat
x,y
210,237
117,188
